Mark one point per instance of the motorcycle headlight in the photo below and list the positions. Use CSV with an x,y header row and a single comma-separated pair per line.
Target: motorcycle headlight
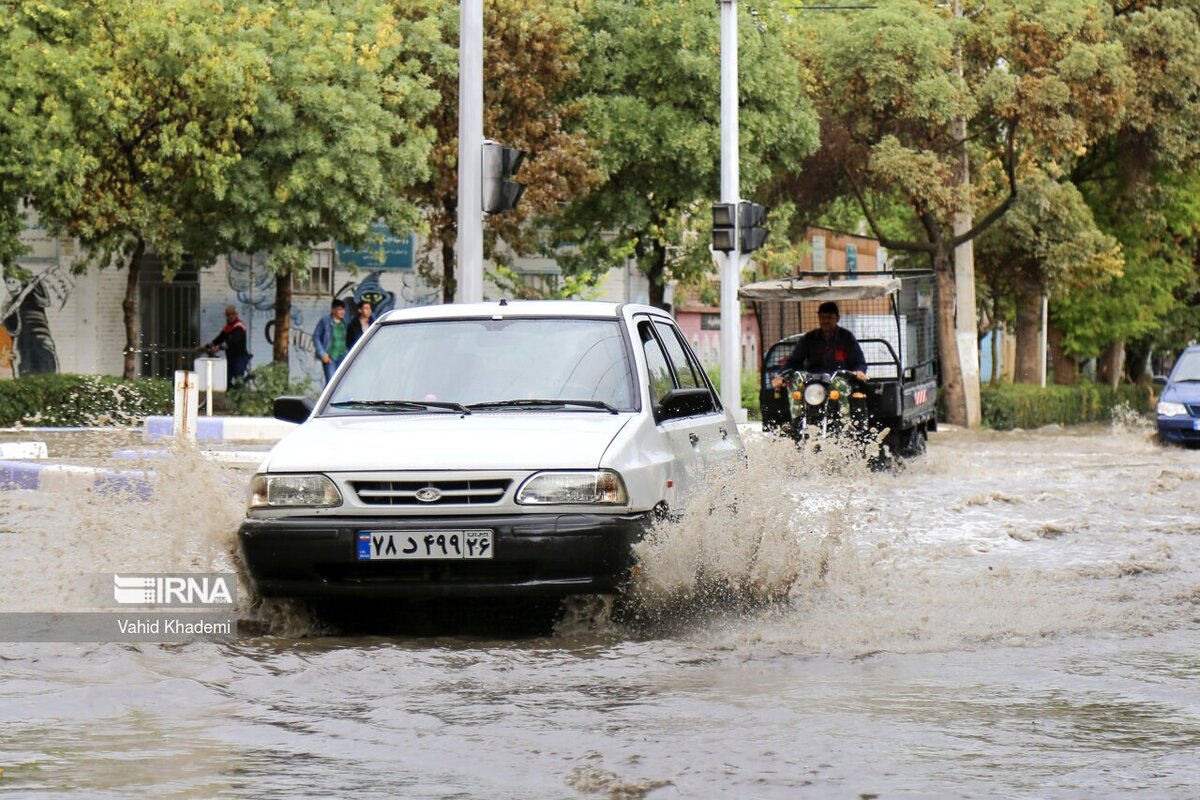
x,y
814,394
293,491
600,487
1170,409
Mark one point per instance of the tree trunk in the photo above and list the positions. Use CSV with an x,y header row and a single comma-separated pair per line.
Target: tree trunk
x,y
1029,339
129,307
448,235
953,391
1066,369
657,275
1137,361
1108,366
283,318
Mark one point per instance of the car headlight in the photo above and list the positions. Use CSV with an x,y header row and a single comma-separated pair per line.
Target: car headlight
x,y
1170,409
600,487
814,394
293,491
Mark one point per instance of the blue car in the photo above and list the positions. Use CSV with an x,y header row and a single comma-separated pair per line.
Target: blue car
x,y
1179,405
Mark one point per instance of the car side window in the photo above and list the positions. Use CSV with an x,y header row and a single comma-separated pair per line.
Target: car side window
x,y
688,379
657,366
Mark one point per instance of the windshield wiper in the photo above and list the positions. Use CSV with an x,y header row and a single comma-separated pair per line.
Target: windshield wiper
x,y
531,403
401,405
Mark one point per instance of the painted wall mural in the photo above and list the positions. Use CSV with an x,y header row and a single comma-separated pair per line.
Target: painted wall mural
x,y
251,281
27,344
252,286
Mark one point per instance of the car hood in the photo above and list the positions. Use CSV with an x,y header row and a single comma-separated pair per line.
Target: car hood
x,y
1187,392
447,441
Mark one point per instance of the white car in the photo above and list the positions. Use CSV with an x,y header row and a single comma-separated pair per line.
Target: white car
x,y
491,449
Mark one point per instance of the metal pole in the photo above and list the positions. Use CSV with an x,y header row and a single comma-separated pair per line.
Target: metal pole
x,y
731,312
470,151
208,387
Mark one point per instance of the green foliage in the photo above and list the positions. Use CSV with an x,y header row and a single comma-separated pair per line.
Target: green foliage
x,y
256,396
750,399
152,98
578,286
338,131
649,79
1020,405
65,400
1159,230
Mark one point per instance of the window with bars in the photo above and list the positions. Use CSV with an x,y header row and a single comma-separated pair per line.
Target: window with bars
x,y
320,275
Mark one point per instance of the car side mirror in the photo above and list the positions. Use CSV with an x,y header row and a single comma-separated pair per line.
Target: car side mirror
x,y
292,409
685,403
1159,380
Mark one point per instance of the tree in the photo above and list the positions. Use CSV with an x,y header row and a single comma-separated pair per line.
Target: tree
x,y
894,86
530,61
1141,181
338,135
1046,244
35,142
650,85
159,92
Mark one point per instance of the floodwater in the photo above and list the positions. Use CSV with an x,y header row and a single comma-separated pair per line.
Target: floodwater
x,y
1014,615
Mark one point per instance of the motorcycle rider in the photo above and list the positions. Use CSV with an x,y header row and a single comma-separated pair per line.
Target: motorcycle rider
x,y
826,348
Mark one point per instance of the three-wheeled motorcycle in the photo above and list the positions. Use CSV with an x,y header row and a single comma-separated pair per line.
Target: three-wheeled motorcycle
x,y
892,316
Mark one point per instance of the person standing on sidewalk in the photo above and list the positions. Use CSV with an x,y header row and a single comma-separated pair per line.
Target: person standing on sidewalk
x,y
231,339
329,339
358,326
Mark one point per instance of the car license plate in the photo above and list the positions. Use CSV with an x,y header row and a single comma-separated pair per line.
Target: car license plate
x,y
401,545
1196,424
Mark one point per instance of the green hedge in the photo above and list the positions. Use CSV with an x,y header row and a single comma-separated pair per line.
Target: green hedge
x,y
749,390
1024,405
63,400
256,397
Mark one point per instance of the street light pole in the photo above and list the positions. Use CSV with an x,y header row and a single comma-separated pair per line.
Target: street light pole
x,y
731,312
470,151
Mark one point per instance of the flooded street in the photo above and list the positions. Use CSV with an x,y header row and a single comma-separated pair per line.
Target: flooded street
x,y
1014,615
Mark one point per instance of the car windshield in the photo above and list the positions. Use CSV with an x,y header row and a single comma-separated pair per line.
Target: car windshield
x,y
448,365
1188,368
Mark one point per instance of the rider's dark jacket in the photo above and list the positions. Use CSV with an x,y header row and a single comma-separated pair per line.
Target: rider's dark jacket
x,y
814,354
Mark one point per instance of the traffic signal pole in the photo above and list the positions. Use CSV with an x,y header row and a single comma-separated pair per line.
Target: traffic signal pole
x,y
470,151
731,313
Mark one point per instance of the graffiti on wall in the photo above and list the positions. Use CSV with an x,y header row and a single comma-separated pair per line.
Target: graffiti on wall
x,y
26,342
251,281
253,285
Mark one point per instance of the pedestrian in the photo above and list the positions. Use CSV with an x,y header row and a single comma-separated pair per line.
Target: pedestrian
x,y
329,339
362,320
231,339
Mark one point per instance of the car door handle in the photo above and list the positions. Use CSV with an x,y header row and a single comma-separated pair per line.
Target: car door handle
x,y
694,439
724,433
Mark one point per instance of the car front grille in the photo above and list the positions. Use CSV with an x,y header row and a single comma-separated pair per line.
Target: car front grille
x,y
481,492
1193,409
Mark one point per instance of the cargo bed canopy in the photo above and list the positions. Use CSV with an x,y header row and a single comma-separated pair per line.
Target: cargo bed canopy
x,y
814,288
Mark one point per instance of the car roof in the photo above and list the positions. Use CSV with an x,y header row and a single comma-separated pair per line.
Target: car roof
x,y
568,309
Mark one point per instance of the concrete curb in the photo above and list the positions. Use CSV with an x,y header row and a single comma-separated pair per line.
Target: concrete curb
x,y
23,450
64,477
221,429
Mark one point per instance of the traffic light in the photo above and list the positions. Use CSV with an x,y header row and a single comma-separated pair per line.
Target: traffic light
x,y
724,228
500,164
751,218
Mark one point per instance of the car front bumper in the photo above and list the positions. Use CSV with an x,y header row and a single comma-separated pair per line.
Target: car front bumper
x,y
1178,429
534,555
